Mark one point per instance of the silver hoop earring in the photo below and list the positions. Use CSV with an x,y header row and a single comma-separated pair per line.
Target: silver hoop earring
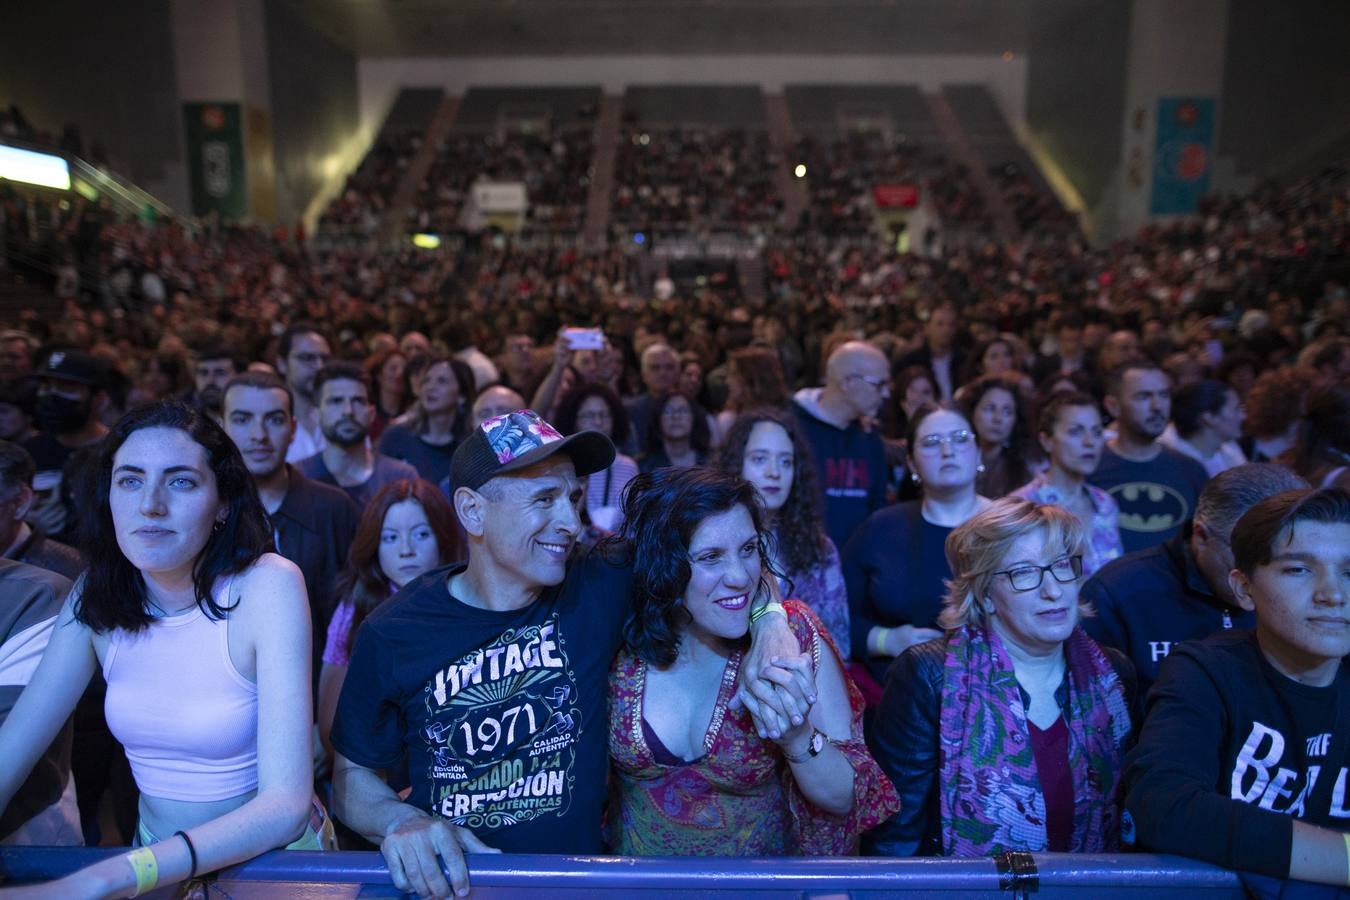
x,y
979,469
914,477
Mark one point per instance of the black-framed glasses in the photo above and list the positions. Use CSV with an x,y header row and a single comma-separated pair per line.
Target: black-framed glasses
x,y
1066,569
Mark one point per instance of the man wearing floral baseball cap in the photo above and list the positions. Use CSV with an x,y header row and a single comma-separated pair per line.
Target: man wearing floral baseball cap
x,y
490,677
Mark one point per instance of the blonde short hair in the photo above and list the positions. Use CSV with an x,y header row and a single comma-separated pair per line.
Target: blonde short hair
x,y
976,548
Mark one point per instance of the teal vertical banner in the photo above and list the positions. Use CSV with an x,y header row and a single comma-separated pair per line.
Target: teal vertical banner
x,y
215,150
1183,157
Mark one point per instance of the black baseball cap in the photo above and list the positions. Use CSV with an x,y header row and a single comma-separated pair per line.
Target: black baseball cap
x,y
517,440
76,366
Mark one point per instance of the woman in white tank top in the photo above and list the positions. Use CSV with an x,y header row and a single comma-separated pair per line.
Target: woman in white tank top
x,y
203,635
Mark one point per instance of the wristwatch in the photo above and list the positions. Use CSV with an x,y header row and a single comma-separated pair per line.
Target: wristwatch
x,y
813,747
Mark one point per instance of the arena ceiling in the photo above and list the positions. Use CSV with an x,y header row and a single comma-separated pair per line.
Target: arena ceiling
x,y
393,28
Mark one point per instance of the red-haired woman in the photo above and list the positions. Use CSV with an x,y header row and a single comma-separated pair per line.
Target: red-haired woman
x,y
407,529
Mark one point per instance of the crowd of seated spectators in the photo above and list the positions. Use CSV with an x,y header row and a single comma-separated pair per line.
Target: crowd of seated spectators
x,y
694,180
841,173
903,382
554,166
365,197
1037,212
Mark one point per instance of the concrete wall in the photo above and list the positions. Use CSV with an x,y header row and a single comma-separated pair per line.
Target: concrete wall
x,y
107,67
313,109
1286,86
1076,88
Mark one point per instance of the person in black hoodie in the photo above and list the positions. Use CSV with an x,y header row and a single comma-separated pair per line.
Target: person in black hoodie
x,y
1150,600
1244,758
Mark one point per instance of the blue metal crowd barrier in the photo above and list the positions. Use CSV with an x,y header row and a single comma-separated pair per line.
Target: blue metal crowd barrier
x,y
292,875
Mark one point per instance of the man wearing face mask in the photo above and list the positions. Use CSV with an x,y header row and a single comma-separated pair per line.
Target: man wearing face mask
x,y
72,393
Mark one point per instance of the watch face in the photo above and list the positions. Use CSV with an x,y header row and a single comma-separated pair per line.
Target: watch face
x,y
817,742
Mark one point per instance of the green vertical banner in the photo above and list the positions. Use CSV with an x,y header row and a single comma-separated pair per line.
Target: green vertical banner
x,y
215,148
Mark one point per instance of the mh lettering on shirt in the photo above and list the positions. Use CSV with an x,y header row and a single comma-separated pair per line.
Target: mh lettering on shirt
x,y
846,477
1258,777
494,663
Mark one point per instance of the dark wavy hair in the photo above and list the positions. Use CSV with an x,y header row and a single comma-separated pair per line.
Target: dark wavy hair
x,y
699,437
362,581
114,593
570,404
799,530
662,510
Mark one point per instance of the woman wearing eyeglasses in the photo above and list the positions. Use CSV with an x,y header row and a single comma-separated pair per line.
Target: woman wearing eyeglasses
x,y
893,565
1008,732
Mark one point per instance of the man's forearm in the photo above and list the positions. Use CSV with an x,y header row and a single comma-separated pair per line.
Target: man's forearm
x,y
366,804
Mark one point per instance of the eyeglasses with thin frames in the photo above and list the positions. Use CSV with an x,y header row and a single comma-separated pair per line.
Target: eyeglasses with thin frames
x,y
1066,570
881,384
959,440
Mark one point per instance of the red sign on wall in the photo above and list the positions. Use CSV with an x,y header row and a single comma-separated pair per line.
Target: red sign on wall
x,y
889,196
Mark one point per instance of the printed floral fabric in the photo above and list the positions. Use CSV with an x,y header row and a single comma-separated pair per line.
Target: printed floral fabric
x,y
740,798
990,793
822,588
1104,542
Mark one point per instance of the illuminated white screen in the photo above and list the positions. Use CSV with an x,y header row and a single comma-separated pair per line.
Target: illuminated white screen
x,y
34,168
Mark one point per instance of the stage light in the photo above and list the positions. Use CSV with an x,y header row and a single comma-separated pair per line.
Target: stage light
x,y
426,241
639,238
800,171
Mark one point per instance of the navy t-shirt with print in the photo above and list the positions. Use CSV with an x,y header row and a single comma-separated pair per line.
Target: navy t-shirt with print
x,y
502,715
1156,498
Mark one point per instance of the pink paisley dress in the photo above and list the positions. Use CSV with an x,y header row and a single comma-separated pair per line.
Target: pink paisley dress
x,y
739,797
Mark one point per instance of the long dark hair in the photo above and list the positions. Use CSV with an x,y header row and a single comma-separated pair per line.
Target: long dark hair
x,y
566,418
662,510
799,530
114,593
1014,450
699,437
362,581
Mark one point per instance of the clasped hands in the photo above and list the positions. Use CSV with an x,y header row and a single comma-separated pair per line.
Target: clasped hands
x,y
777,683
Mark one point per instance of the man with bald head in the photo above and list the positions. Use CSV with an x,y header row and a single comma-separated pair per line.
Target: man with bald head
x,y
660,376
849,456
495,400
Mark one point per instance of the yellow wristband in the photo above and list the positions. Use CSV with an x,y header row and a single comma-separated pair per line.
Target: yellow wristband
x,y
146,869
1346,837
761,612
879,636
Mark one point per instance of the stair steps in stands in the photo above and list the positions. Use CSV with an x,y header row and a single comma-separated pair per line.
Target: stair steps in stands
x,y
783,139
602,168
959,145
406,193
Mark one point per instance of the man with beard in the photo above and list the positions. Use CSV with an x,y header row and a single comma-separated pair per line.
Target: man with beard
x,y
302,353
314,523
72,394
1155,486
345,414
212,369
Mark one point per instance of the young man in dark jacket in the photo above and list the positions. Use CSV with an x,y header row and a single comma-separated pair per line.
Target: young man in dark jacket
x,y
1244,758
1149,601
